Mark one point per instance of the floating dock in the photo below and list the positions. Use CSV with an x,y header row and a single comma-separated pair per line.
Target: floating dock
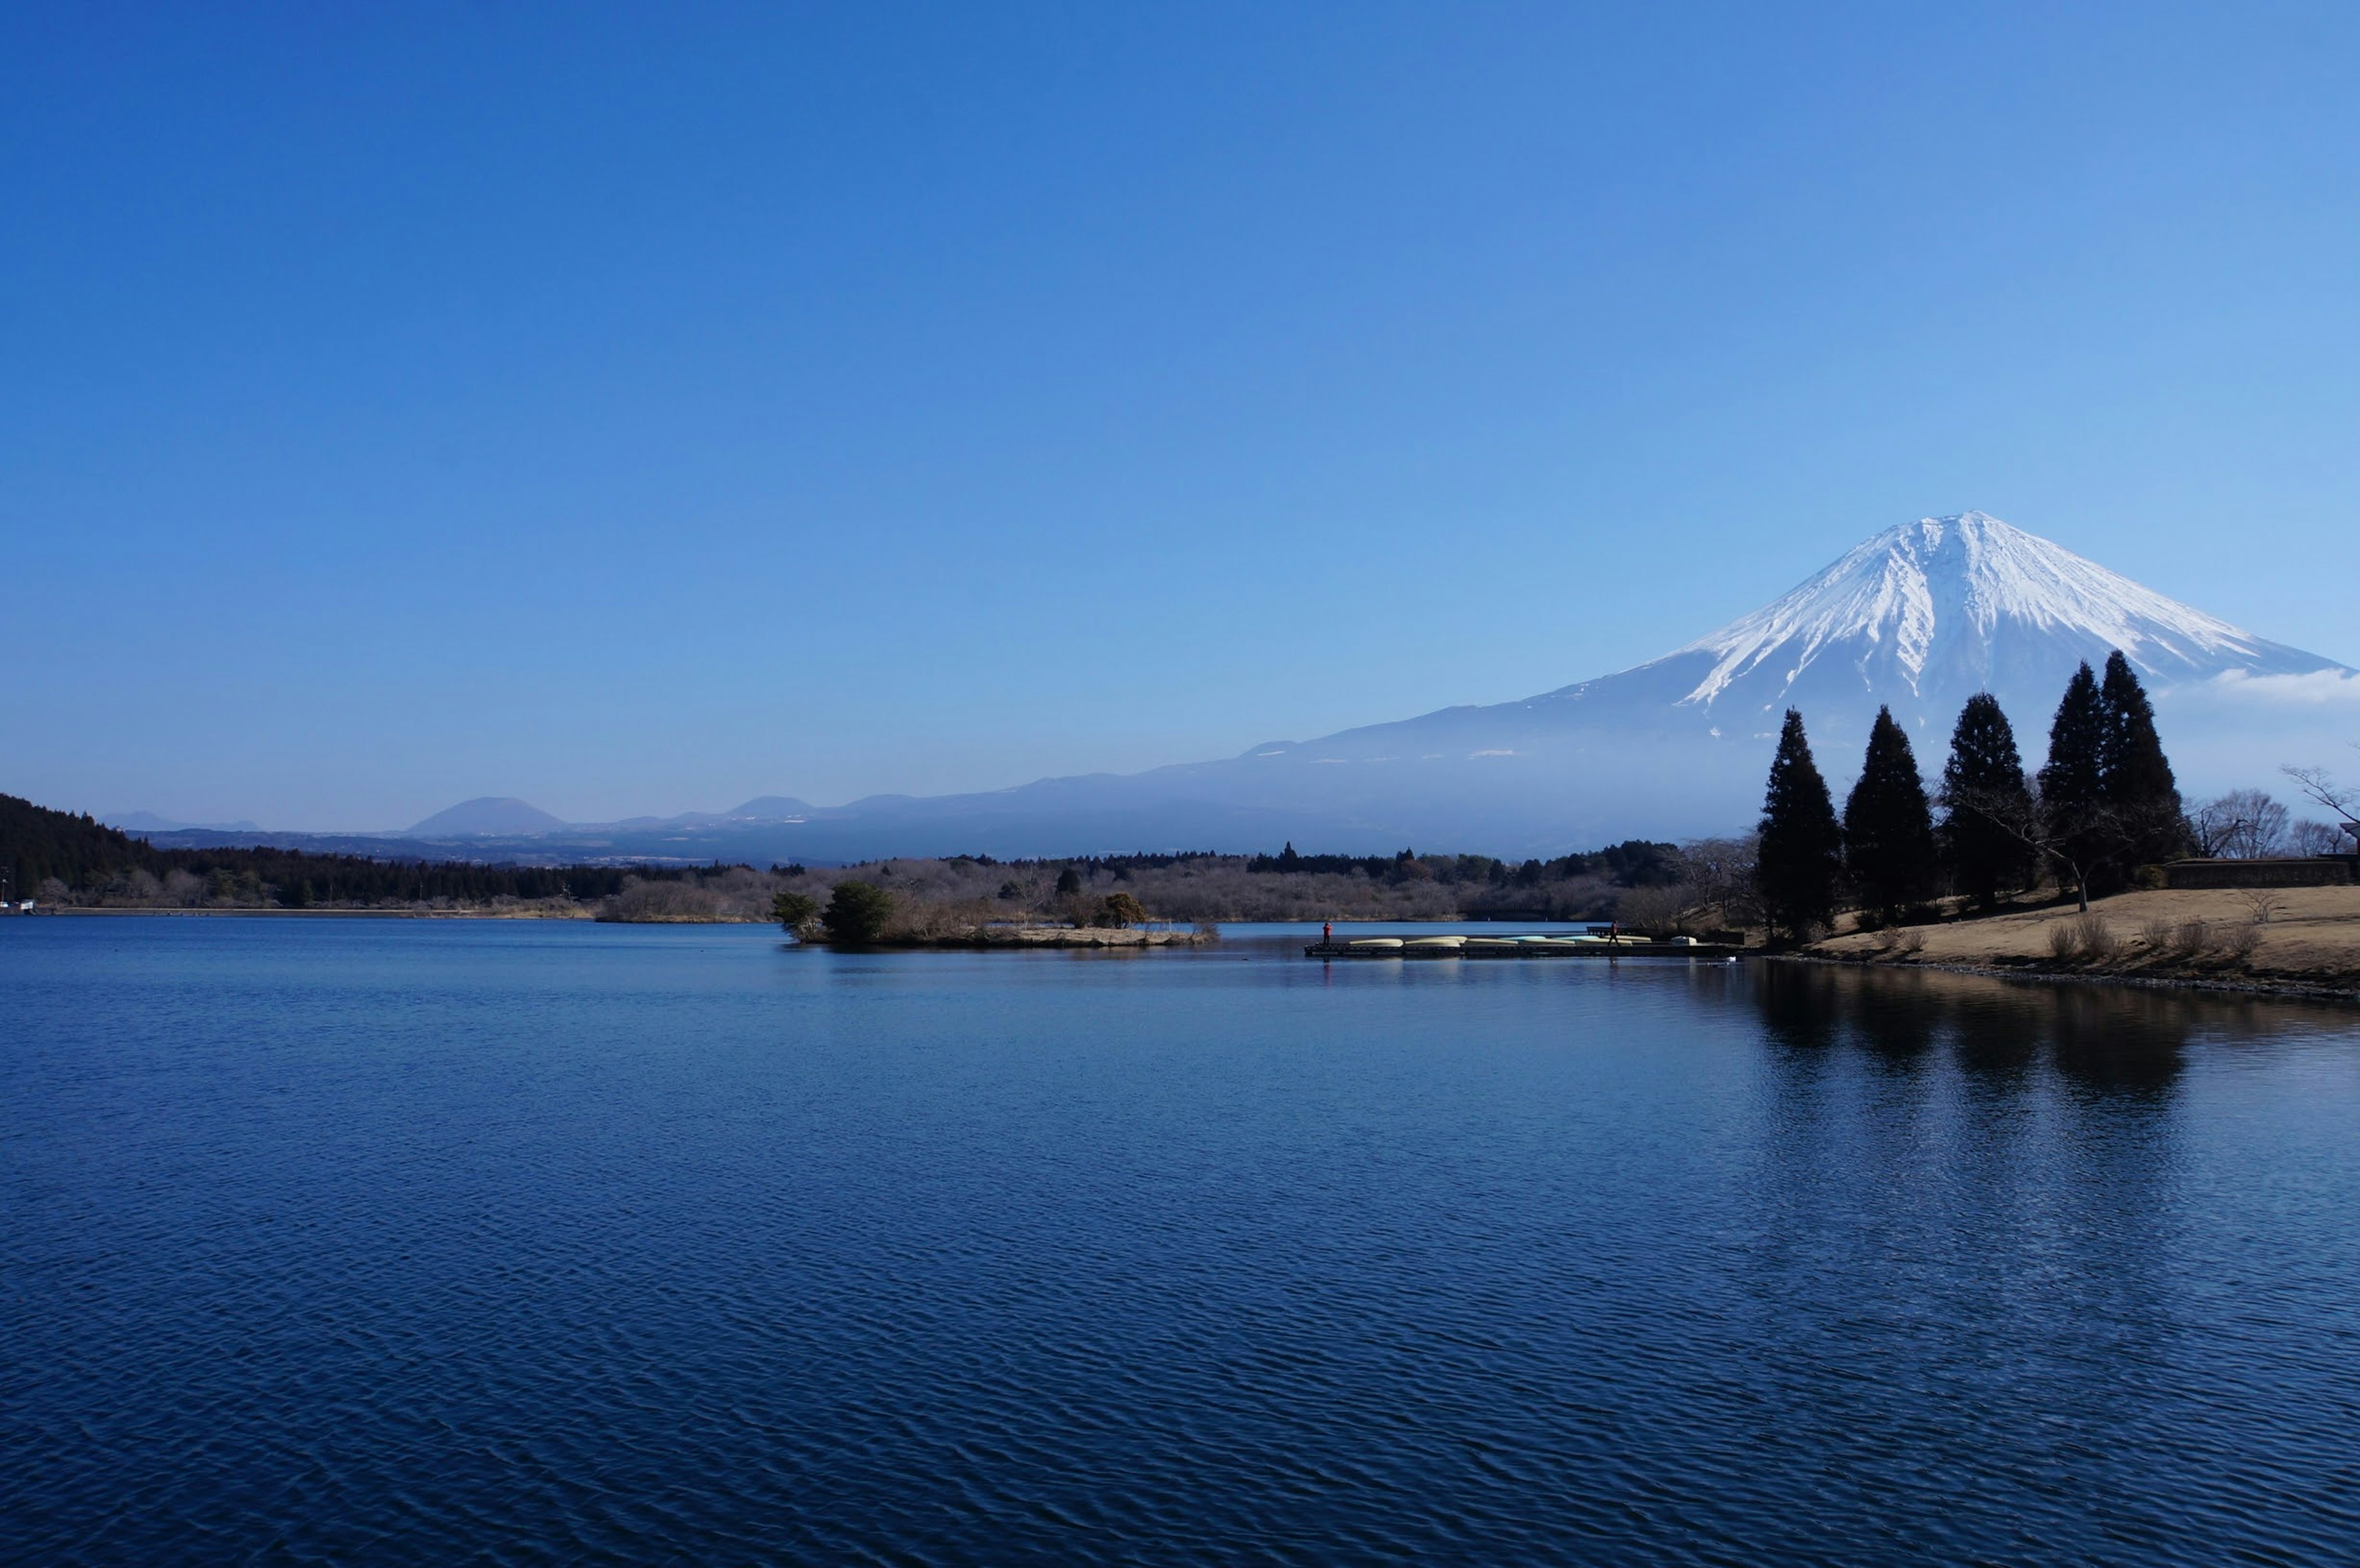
x,y
1517,947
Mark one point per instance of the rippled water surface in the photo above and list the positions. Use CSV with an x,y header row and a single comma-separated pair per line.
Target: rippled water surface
x,y
347,1240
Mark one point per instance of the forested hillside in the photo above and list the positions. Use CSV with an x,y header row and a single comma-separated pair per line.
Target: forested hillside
x,y
62,859
57,857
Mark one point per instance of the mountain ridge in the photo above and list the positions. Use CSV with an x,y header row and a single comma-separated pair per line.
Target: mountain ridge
x,y
1919,618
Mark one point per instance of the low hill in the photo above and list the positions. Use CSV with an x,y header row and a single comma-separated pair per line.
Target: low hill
x,y
489,816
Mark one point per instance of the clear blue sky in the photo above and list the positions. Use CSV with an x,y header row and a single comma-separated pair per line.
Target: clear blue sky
x,y
641,408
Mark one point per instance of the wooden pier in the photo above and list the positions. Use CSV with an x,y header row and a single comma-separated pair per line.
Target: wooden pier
x,y
1519,947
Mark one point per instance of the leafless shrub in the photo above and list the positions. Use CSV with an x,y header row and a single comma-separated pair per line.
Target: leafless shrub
x,y
1910,943
729,894
2264,903
934,920
2086,938
2242,939
2160,933
2096,938
2193,939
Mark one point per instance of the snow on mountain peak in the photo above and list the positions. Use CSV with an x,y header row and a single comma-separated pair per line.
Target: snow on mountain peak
x,y
1927,603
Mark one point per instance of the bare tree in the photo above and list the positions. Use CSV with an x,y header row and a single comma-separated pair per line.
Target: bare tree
x,y
1721,872
2244,825
1654,911
2307,837
2019,816
2343,800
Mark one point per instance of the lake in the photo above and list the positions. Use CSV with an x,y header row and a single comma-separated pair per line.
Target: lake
x,y
548,1243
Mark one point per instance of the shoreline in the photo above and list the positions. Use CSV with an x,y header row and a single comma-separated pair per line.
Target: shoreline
x,y
2285,990
1029,939
2297,942
332,914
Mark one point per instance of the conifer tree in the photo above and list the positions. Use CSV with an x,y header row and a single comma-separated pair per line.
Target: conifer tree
x,y
1984,791
2140,792
1889,833
2072,781
857,913
1799,861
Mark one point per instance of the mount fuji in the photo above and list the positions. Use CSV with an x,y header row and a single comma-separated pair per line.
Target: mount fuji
x,y
1919,618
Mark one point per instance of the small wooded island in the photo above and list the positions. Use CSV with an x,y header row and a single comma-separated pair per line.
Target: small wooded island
x,y
862,914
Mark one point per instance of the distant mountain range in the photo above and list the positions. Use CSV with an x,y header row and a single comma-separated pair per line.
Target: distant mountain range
x,y
1920,617
149,822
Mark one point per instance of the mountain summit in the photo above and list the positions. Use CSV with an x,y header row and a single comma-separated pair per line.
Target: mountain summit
x,y
1943,607
489,816
1918,618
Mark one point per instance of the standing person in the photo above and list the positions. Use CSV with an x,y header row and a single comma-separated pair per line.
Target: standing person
x,y
1326,933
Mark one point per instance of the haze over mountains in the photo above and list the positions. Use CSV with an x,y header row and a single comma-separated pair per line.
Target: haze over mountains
x,y
1920,617
489,816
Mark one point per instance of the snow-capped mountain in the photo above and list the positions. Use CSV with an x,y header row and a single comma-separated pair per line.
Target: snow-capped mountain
x,y
1920,617
1924,614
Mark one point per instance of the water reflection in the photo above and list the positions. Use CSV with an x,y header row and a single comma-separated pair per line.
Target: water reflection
x,y
2106,1038
1978,1171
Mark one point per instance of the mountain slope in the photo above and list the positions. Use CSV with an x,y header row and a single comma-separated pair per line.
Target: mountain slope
x,y
1938,609
489,816
1920,617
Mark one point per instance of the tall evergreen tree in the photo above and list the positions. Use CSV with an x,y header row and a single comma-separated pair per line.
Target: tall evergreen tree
x,y
2140,792
1983,790
2072,782
1800,860
1889,833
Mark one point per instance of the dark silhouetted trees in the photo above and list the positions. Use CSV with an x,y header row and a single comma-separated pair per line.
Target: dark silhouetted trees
x,y
857,913
2140,792
1800,861
2107,797
1983,792
2072,781
1888,833
38,844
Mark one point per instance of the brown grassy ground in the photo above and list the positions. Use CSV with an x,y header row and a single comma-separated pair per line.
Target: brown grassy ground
x,y
2304,936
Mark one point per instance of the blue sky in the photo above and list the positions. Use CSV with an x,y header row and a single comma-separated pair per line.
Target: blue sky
x,y
638,410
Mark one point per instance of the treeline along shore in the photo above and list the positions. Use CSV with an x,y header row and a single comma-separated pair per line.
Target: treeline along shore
x,y
62,861
2091,865
1975,870
69,862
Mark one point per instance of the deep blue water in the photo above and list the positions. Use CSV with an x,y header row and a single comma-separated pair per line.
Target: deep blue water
x,y
396,1241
